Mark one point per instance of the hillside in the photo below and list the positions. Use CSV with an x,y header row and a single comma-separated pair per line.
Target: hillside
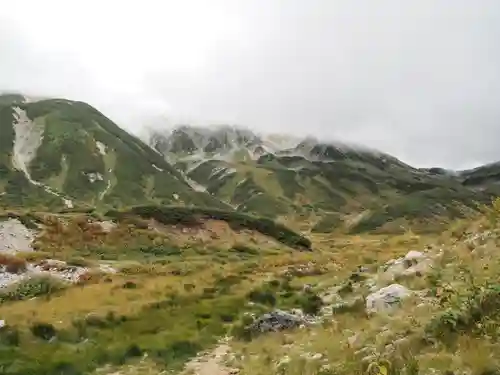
x,y
61,153
336,186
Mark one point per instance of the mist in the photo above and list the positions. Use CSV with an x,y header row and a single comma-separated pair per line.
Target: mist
x,y
417,79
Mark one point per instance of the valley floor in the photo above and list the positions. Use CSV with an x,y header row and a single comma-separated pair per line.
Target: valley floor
x,y
169,306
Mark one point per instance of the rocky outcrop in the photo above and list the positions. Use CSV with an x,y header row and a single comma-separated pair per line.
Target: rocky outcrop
x,y
415,263
276,321
385,299
14,236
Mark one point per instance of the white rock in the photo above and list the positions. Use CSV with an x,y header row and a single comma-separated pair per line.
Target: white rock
x,y
101,147
386,298
414,256
14,236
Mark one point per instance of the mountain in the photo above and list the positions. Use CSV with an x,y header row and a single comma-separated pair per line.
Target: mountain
x,y
182,283
56,153
329,184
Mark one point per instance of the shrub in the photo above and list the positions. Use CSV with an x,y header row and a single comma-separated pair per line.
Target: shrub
x,y
262,296
133,350
241,330
129,285
12,263
356,305
32,287
43,331
481,304
244,249
311,303
193,216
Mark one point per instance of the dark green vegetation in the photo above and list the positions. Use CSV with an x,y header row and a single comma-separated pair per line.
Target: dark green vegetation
x,y
194,216
98,340
343,188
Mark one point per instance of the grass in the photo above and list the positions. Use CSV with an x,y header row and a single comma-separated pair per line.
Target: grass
x,y
172,299
458,332
165,301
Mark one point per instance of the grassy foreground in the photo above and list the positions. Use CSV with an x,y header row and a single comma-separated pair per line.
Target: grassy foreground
x,y
175,296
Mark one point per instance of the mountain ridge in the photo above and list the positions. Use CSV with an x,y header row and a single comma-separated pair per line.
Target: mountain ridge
x,y
71,151
239,167
63,153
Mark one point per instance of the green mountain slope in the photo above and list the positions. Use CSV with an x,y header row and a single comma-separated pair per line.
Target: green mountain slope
x,y
332,186
58,152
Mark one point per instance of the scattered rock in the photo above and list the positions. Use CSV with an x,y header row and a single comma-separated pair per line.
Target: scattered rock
x,y
107,225
386,298
276,321
415,263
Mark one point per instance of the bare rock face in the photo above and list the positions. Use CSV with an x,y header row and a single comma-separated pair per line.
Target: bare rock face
x,y
386,299
14,236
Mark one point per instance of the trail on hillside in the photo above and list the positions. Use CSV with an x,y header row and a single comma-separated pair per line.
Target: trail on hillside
x,y
211,363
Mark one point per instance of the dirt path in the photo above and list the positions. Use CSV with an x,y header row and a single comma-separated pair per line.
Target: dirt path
x,y
211,363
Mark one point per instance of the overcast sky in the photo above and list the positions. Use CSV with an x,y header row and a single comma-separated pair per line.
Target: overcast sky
x,y
419,79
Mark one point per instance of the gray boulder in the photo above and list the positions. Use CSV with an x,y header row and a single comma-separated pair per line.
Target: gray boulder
x,y
386,299
276,321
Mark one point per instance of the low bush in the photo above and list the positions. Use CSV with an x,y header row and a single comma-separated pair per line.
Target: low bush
x,y
12,263
244,249
32,287
467,314
44,331
193,216
310,303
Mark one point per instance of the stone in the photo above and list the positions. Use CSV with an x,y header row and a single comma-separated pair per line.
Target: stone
x,y
385,299
353,341
414,257
276,321
414,263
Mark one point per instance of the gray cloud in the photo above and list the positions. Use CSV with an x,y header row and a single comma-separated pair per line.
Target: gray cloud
x,y
417,79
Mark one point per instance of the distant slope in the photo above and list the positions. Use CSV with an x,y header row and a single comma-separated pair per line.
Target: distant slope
x,y
312,180
194,216
57,151
483,177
